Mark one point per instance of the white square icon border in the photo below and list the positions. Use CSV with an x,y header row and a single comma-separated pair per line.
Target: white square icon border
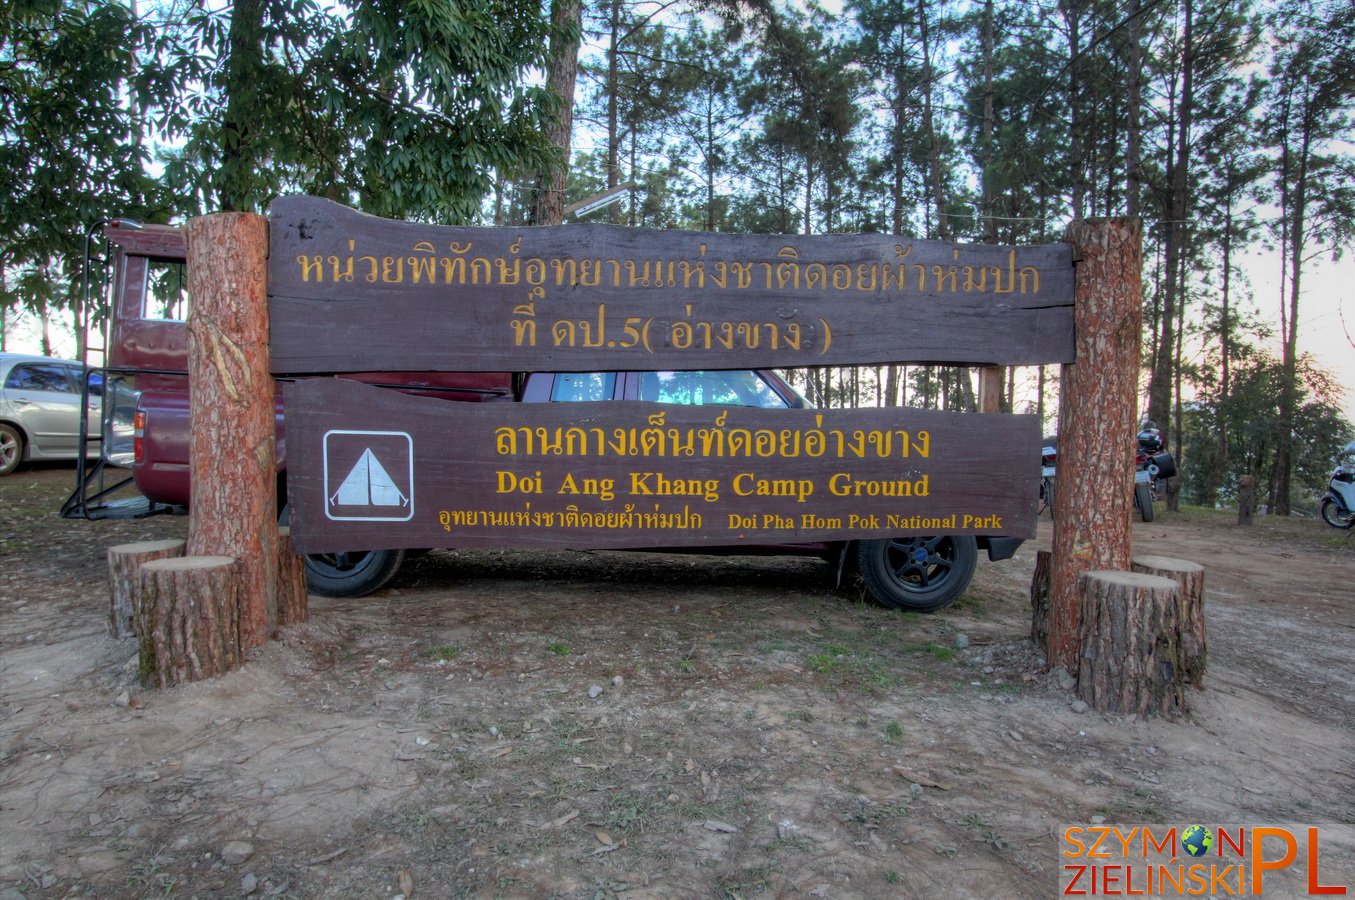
x,y
367,458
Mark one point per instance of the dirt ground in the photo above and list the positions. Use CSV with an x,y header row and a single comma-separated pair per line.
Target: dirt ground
x,y
511,724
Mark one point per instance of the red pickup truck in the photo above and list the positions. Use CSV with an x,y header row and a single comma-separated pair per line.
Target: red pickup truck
x,y
145,428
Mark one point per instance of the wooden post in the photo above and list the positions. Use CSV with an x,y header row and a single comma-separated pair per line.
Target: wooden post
x,y
124,561
1189,578
1128,661
1097,414
990,389
234,476
1246,499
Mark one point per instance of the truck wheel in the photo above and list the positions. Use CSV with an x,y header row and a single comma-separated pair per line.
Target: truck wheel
x,y
352,574
11,449
918,574
355,573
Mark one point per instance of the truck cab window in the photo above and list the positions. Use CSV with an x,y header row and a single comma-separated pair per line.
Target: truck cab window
x,y
583,386
167,290
738,387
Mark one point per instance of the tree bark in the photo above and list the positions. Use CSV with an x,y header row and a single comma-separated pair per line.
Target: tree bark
x,y
1039,598
549,206
1094,503
231,453
1189,578
293,603
124,564
187,619
1129,661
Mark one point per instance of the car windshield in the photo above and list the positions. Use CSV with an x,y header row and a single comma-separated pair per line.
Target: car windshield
x,y
739,387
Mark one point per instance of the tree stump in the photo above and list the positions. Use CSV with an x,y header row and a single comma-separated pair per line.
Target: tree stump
x,y
1246,499
1129,661
1189,577
124,562
293,604
187,609
1039,598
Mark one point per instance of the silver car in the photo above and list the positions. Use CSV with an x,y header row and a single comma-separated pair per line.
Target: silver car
x,y
40,410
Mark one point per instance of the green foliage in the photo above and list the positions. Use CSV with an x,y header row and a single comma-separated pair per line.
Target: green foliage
x,y
1248,422
66,160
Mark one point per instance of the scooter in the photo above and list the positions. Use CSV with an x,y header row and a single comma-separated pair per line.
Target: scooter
x,y
1338,506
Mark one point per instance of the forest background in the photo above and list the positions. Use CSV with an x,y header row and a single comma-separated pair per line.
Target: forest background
x,y
1226,126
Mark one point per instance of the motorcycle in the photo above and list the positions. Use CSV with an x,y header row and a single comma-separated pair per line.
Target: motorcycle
x,y
1151,464
1338,506
1049,455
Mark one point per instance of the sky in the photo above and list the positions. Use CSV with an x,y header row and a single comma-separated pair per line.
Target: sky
x,y
1326,314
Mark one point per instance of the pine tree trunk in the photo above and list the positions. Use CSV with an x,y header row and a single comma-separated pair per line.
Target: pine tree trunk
x,y
1094,501
562,71
234,477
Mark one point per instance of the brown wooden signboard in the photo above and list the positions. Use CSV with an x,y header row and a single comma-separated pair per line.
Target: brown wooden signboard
x,y
352,292
373,468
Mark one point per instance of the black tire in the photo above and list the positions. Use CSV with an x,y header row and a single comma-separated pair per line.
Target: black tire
x,y
1143,499
11,449
918,574
354,573
1331,515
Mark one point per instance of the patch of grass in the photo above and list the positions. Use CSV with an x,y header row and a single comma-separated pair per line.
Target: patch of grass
x,y
628,812
559,649
745,882
443,652
866,662
893,731
938,652
878,813
802,843
822,663
147,877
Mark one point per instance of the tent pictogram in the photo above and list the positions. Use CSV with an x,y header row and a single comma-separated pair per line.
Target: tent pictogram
x,y
368,484
368,476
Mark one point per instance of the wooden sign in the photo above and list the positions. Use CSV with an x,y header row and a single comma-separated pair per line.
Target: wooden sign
x,y
374,468
352,292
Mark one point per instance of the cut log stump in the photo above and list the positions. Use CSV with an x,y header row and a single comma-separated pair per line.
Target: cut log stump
x,y
1189,577
1130,660
124,562
293,608
188,619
